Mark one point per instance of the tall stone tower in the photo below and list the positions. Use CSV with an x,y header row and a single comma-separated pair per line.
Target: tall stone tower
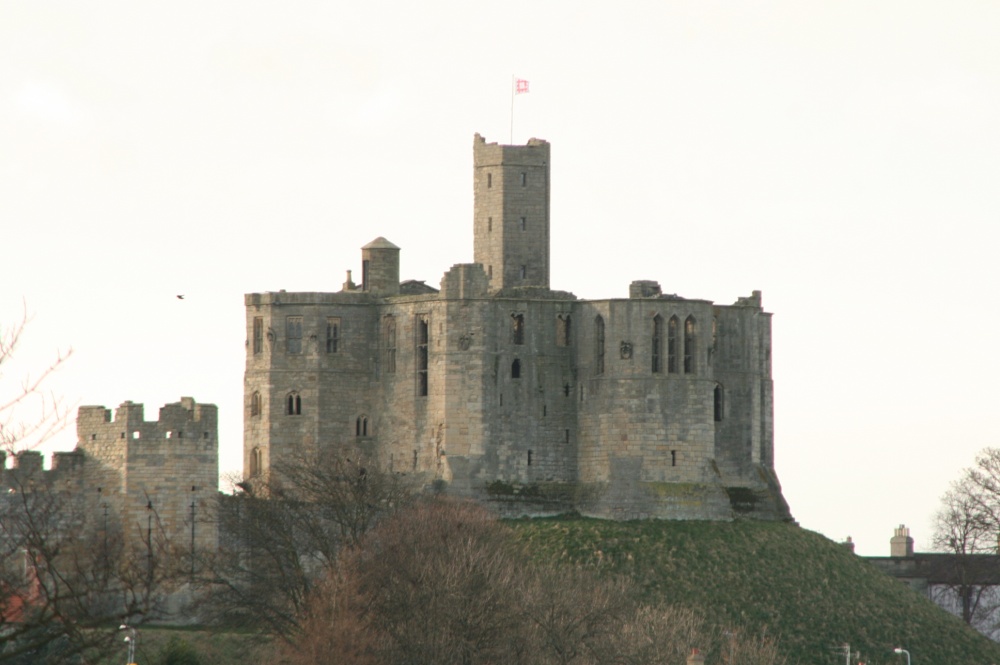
x,y
511,218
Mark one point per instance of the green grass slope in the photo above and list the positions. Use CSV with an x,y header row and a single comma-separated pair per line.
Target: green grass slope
x,y
809,591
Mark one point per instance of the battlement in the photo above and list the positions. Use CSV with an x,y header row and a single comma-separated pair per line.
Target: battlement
x,y
536,152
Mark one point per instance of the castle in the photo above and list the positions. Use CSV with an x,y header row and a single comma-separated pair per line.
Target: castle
x,y
497,387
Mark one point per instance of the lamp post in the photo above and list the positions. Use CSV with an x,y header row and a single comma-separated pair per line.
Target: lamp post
x,y
130,640
901,650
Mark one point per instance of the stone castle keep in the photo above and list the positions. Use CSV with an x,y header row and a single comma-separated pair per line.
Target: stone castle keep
x,y
499,388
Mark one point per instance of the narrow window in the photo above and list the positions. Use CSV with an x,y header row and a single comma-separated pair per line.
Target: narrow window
x,y
529,458
255,404
545,410
489,271
361,426
657,344
673,458
718,402
423,340
489,224
332,335
364,274
524,179
672,326
389,343
566,390
567,436
689,345
599,345
517,328
562,330
515,369
414,460
524,223
293,405
524,272
293,334
255,462
489,183
258,334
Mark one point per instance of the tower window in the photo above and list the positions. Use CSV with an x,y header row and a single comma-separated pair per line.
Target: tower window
x,y
718,402
256,460
524,272
517,328
258,334
515,369
529,458
562,330
524,223
361,426
255,404
293,405
389,342
293,334
672,326
673,458
599,345
689,345
332,335
524,179
657,344
489,179
567,436
423,342
489,224
489,271
364,274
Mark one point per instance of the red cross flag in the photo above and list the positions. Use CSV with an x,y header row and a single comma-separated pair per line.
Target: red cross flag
x,y
520,86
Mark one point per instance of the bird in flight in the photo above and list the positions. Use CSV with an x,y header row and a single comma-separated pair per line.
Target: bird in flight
x,y
180,297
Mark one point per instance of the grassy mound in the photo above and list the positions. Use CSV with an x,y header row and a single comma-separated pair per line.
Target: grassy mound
x,y
779,578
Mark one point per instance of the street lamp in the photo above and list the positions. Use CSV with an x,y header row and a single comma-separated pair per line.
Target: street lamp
x,y
130,640
901,650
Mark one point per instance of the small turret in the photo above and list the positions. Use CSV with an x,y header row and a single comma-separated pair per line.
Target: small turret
x,y
380,267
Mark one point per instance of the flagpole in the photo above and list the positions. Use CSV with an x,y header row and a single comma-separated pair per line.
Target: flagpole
x,y
513,85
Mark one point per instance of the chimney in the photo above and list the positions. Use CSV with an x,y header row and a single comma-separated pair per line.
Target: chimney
x,y
849,544
901,545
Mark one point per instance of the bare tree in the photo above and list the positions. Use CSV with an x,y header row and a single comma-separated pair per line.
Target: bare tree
x,y
281,534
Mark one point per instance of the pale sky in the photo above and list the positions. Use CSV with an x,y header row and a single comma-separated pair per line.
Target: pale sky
x,y
840,156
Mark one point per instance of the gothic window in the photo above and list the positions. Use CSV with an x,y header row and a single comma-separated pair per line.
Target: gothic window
x,y
361,426
423,343
599,345
689,345
256,462
672,325
718,402
293,405
332,335
258,334
389,343
515,369
562,330
657,344
293,334
517,328
255,404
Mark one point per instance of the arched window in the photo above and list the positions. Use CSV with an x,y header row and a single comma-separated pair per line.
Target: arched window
x,y
672,326
389,343
657,364
361,426
562,330
718,402
255,404
256,462
294,404
517,328
689,344
515,369
599,345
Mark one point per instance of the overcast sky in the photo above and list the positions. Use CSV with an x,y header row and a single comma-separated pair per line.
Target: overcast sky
x,y
840,156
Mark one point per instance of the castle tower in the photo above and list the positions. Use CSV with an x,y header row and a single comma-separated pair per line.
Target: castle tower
x,y
380,267
511,217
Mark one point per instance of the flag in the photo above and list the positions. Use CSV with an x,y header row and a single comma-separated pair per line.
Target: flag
x,y
520,86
